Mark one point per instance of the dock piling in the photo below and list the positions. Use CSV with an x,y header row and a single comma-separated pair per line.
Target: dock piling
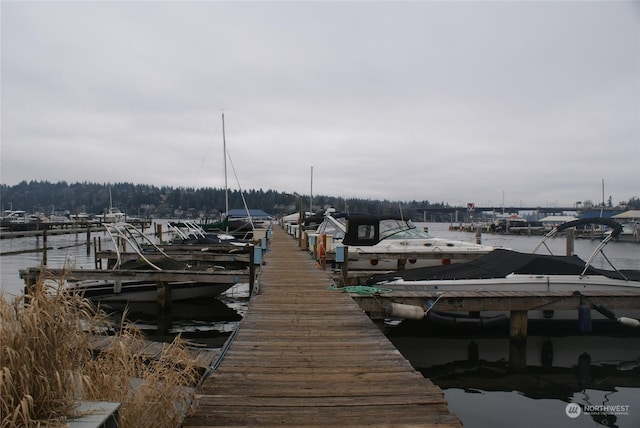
x,y
518,326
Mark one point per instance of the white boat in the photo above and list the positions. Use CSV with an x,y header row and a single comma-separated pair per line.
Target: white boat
x,y
506,270
113,215
151,257
379,243
188,232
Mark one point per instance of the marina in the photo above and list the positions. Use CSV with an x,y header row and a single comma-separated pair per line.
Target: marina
x,y
413,346
320,214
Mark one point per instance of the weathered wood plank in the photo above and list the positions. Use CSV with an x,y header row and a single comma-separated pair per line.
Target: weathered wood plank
x,y
306,355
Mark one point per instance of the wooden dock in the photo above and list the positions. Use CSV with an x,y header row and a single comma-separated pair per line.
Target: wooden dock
x,y
305,355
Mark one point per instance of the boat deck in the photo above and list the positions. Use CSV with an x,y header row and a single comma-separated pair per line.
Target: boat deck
x,y
305,355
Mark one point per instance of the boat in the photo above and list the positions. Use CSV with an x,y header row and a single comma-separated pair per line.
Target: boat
x,y
101,291
241,226
189,233
113,214
149,260
380,243
507,270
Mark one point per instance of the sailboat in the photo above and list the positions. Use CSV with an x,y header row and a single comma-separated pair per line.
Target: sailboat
x,y
240,227
113,214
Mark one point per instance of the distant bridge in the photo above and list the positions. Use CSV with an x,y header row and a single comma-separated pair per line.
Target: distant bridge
x,y
461,213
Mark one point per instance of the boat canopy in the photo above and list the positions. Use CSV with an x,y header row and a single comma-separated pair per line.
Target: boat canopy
x,y
501,263
365,229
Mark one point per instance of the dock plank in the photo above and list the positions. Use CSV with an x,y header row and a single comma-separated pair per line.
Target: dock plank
x,y
307,355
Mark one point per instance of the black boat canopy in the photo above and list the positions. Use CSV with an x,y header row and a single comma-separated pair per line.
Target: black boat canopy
x,y
500,263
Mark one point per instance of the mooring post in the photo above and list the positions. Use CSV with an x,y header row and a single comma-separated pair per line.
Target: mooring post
x,y
255,257
571,234
518,326
88,240
342,257
97,265
479,234
44,247
30,280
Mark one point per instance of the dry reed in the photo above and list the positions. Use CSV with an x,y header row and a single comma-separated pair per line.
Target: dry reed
x,y
48,368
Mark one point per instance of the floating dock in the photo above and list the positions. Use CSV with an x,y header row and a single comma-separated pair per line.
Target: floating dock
x,y
306,355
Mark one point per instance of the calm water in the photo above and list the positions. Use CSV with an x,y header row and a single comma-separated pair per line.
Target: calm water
x,y
481,388
473,370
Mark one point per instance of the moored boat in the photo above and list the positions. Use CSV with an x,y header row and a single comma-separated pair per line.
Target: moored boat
x,y
506,271
378,243
140,274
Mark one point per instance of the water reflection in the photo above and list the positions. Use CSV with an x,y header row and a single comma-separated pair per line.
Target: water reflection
x,y
548,373
207,322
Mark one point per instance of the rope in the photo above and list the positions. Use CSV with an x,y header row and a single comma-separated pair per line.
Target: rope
x,y
361,289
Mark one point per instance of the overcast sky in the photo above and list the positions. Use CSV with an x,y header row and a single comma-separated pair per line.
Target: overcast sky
x,y
531,102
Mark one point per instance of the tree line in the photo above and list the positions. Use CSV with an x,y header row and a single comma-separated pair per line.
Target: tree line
x,y
144,200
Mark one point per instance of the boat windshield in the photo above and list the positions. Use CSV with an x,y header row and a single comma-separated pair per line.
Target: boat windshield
x,y
400,229
329,227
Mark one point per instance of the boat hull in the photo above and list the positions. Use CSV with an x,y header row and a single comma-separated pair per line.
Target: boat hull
x,y
108,291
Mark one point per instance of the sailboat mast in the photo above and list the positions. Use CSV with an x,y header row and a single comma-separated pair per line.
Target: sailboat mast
x,y
602,207
311,197
226,186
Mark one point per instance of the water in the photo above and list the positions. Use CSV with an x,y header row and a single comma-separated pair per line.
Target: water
x,y
484,390
206,321
473,370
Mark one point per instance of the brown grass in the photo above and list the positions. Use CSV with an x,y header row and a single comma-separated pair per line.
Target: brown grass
x,y
47,367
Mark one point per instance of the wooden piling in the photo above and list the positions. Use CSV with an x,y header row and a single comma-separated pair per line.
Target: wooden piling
x,y
252,268
44,247
88,240
345,266
518,326
571,234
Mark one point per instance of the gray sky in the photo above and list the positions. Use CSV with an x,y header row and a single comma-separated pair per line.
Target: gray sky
x,y
536,102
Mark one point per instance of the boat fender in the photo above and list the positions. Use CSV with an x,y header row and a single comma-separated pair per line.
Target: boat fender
x,y
584,319
604,311
321,250
446,262
399,310
629,322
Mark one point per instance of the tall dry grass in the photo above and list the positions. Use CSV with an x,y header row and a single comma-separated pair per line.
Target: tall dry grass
x,y
48,368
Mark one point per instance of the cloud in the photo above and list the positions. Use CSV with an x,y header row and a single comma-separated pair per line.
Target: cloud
x,y
457,102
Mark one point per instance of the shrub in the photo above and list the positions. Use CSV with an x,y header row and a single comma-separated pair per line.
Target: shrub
x,y
48,367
